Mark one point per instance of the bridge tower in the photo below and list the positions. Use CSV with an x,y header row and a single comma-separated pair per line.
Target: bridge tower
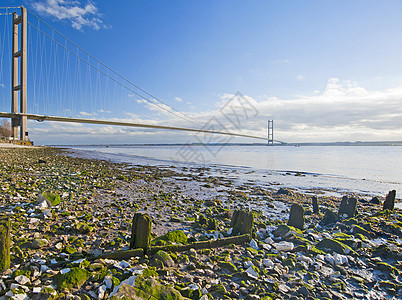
x,y
19,77
270,132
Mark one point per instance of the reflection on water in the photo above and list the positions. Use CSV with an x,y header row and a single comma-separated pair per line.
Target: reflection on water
x,y
372,170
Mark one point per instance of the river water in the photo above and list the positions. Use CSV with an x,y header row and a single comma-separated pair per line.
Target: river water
x,y
369,170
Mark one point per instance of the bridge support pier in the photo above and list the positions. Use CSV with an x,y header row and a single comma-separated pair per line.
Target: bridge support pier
x,y
270,132
19,77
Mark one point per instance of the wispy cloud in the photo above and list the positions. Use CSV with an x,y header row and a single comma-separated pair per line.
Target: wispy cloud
x,y
178,99
87,114
299,77
80,15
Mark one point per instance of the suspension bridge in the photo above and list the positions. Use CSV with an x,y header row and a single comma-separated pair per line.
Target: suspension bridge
x,y
67,80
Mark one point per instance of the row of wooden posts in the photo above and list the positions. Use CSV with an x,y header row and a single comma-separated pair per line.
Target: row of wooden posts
x,y
241,222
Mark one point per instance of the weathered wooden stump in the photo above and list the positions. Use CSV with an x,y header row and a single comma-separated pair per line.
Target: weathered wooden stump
x,y
141,232
389,202
296,217
348,206
4,243
316,208
242,222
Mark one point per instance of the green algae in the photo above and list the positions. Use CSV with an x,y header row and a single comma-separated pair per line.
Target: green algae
x,y
176,236
72,280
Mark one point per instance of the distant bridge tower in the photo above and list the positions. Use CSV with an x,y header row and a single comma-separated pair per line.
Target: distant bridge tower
x,y
270,132
19,78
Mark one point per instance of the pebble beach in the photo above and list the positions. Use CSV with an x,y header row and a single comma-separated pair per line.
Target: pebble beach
x,y
68,214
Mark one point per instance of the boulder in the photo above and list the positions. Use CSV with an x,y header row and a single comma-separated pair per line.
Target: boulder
x,y
375,200
329,218
330,245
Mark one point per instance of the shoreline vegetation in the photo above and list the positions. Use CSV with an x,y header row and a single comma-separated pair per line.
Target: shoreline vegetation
x,y
69,214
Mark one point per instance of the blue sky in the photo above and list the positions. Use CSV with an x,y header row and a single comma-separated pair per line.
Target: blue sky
x,y
322,70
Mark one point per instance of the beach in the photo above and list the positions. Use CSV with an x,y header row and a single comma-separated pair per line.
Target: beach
x,y
68,213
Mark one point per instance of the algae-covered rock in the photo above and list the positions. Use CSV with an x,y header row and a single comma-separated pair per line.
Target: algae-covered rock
x,y
146,288
83,228
39,243
286,231
331,245
165,258
53,199
228,266
72,280
329,218
177,237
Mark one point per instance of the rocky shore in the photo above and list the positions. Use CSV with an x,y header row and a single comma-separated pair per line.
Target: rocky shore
x,y
69,215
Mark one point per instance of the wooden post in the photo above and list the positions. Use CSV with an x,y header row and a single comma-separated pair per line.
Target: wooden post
x,y
141,232
4,243
242,222
389,202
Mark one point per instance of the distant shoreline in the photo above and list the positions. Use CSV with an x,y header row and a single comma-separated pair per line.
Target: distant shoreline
x,y
358,143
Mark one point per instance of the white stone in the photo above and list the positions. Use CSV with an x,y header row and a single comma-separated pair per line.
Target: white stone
x,y
251,273
266,247
59,246
47,213
53,261
108,282
129,281
36,290
329,258
268,263
253,244
247,264
22,279
340,259
33,220
269,240
230,231
101,291
284,246
19,286
64,271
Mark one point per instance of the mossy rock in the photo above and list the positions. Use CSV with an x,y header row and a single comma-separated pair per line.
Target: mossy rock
x,y
69,250
151,287
360,230
331,245
176,236
164,258
286,231
72,280
53,198
83,228
228,266
387,268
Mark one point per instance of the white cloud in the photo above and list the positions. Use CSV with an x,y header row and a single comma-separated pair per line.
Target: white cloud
x,y
78,14
178,99
87,114
299,77
341,111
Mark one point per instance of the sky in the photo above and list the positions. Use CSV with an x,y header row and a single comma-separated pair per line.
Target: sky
x,y
324,71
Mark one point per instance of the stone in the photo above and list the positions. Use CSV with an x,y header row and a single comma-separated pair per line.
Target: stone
x,y
73,279
330,245
165,258
284,246
5,228
329,218
389,202
296,217
176,236
141,231
375,200
348,206
283,191
39,243
285,231
316,209
242,222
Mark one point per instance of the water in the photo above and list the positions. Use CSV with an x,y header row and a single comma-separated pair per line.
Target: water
x,y
370,170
